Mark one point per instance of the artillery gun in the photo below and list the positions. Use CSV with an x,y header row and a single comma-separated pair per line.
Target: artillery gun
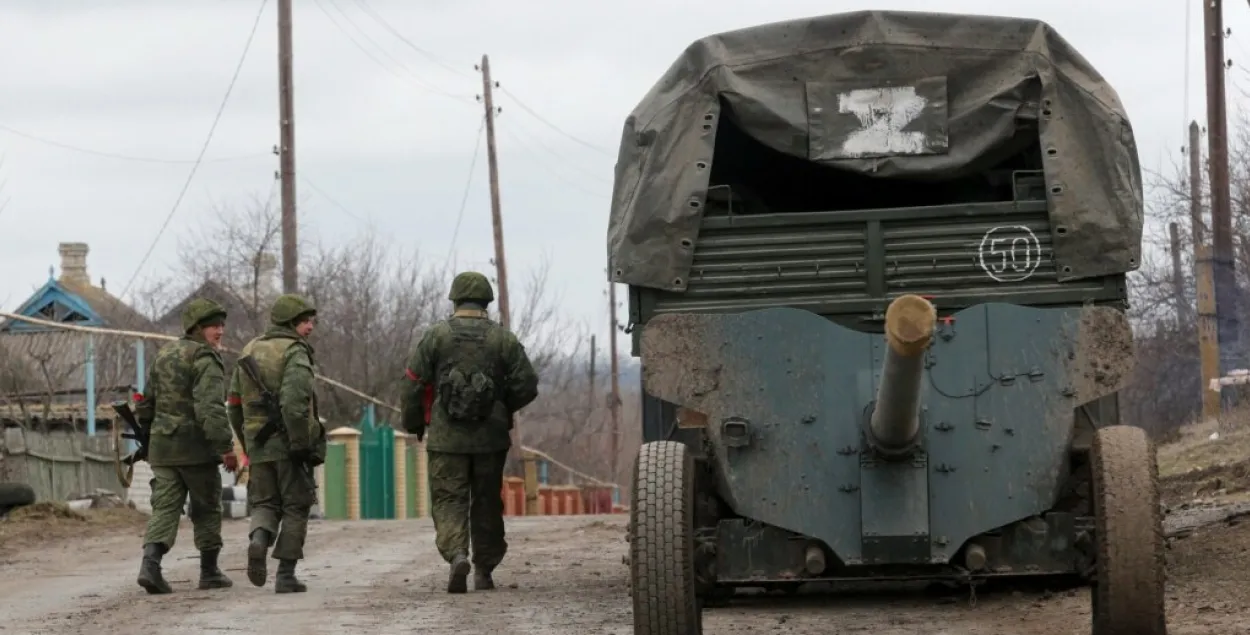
x,y
876,266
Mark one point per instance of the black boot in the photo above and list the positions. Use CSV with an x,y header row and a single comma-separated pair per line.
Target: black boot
x,y
257,551
211,577
286,582
482,580
150,577
457,581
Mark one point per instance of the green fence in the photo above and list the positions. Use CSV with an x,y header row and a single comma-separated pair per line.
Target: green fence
x,y
335,482
377,467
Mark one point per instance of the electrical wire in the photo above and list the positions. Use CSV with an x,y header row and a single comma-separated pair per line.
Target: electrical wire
x,y
571,183
247,46
537,140
332,200
558,129
409,76
464,198
428,55
122,157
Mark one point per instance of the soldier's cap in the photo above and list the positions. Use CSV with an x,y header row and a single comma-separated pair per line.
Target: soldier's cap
x,y
471,286
202,312
291,307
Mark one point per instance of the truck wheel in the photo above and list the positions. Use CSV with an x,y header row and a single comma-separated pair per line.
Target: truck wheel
x,y
16,495
661,550
1127,586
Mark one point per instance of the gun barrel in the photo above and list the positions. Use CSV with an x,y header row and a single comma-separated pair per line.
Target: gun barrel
x,y
909,324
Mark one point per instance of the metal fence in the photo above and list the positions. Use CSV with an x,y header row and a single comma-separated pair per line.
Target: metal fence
x,y
58,464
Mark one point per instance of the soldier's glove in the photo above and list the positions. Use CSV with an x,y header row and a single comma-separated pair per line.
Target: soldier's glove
x,y
231,461
303,456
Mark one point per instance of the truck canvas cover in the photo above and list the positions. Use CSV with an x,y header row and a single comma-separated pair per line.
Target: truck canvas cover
x,y
886,94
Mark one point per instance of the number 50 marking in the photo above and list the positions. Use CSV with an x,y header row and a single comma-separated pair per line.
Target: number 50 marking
x,y
1010,253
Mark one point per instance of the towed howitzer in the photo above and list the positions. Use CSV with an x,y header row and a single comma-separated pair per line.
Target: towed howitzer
x,y
138,433
268,402
895,424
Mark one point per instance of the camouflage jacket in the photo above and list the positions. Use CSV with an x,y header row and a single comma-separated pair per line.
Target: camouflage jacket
x,y
184,406
430,363
286,367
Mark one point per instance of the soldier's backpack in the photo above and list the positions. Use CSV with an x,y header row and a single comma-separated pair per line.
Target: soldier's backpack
x,y
467,390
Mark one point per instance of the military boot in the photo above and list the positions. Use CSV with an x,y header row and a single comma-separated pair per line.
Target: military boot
x,y
150,577
286,582
457,581
482,580
211,577
257,551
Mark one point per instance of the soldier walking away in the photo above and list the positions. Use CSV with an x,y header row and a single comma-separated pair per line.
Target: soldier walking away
x,y
273,410
467,377
185,415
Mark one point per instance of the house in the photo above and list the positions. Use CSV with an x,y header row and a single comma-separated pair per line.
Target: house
x,y
247,309
61,376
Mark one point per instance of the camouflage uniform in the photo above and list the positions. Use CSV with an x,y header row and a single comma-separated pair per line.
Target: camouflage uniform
x,y
466,379
281,489
185,413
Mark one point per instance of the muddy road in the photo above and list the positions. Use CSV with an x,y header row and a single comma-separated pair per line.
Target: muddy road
x,y
563,576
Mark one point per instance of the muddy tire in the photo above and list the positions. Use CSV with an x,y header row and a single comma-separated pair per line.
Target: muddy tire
x,y
1127,586
16,495
661,550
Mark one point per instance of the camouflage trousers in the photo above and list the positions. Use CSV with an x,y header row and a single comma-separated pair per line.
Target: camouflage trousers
x,y
281,497
170,486
467,505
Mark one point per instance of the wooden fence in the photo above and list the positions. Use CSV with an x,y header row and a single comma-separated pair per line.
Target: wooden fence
x,y
58,464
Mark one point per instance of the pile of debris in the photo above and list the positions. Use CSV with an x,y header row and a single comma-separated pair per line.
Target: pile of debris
x,y
99,499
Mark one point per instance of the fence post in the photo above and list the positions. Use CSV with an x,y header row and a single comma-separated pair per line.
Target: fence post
x,y
531,483
350,438
89,372
400,483
422,462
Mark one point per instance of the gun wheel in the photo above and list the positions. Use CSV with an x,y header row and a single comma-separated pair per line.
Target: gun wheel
x,y
661,550
1127,588
125,472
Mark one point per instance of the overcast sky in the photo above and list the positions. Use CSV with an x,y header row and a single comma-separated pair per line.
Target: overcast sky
x,y
388,135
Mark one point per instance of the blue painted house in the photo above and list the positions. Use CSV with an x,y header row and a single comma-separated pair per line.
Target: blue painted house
x,y
58,376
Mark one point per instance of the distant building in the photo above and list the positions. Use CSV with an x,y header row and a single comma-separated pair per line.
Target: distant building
x,y
52,374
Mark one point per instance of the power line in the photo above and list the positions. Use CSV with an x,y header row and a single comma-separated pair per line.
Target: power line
x,y
428,55
247,46
464,198
575,164
332,200
122,157
410,76
558,129
571,183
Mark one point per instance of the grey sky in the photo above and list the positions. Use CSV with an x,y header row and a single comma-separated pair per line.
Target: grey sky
x,y
145,77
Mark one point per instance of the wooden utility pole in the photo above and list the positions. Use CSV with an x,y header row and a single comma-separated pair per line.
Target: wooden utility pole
x,y
286,152
501,267
591,411
616,378
1208,331
1178,276
1221,206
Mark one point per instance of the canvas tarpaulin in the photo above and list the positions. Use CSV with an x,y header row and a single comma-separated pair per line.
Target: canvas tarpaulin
x,y
886,94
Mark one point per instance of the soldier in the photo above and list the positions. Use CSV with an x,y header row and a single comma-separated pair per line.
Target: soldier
x,y
467,377
186,417
281,488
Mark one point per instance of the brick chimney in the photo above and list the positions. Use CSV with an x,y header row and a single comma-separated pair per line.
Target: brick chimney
x,y
74,263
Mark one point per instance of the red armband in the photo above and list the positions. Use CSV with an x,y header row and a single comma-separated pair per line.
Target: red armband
x,y
427,394
234,400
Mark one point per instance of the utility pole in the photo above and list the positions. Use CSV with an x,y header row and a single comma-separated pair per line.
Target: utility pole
x,y
286,152
1208,331
492,159
1178,277
591,411
615,404
1221,206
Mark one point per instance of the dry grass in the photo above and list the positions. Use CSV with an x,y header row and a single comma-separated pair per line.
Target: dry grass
x,y
1194,451
56,521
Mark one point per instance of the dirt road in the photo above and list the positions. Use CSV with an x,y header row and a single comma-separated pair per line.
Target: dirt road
x,y
563,576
